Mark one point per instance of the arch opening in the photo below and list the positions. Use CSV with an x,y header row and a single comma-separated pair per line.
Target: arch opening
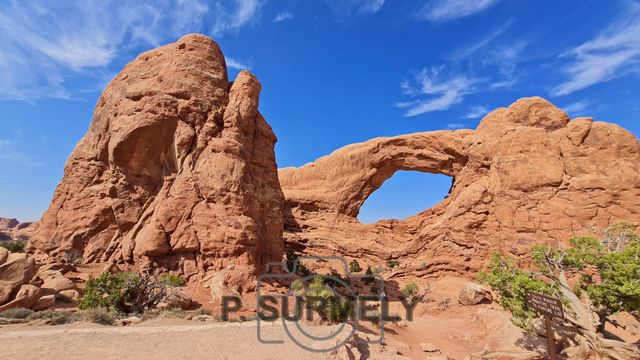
x,y
405,194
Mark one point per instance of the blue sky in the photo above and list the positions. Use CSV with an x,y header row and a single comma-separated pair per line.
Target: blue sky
x,y
334,72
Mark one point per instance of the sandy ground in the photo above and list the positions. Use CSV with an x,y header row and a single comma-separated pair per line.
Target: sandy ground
x,y
155,339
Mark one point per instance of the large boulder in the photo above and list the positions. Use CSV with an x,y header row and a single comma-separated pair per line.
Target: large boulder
x,y
26,297
44,302
473,294
527,175
54,281
17,269
177,170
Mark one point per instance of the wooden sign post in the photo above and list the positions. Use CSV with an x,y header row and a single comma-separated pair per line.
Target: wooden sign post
x,y
549,307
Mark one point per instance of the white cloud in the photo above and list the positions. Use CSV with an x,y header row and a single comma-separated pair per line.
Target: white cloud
x,y
577,108
445,10
454,126
432,92
285,15
232,15
45,44
235,64
612,53
477,112
371,6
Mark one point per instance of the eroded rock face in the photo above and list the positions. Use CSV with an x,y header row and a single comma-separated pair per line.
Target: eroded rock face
x,y
177,170
527,175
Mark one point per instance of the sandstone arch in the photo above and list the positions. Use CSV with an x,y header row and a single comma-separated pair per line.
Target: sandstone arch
x,y
526,175
343,180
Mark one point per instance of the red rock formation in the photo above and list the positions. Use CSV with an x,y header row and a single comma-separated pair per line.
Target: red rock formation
x,y
177,170
12,229
527,175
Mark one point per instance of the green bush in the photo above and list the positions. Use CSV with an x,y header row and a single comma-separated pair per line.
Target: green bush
x,y
618,269
354,267
171,280
619,287
127,292
13,246
16,313
107,291
410,289
341,310
512,285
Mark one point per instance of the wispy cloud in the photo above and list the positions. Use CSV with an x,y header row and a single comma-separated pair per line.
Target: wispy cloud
x,y
348,7
446,10
495,54
235,64
613,53
477,112
232,15
44,44
285,15
577,108
431,90
371,6
466,51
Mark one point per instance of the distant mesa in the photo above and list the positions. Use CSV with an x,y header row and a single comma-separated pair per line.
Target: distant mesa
x,y
178,172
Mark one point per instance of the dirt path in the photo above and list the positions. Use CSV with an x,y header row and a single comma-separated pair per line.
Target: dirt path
x,y
158,339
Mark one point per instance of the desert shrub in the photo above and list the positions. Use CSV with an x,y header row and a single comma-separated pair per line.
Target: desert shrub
x,y
127,292
609,271
13,246
354,266
341,309
392,263
291,259
512,285
16,313
369,279
173,313
410,289
337,280
52,317
202,311
616,262
100,315
171,280
73,257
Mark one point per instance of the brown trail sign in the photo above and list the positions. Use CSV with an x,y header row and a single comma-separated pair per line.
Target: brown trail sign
x,y
549,307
